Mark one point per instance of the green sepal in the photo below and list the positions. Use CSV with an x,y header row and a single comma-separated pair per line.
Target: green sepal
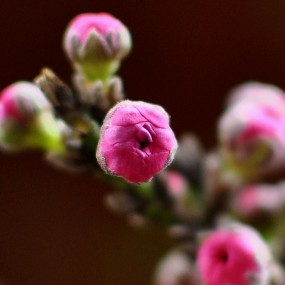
x,y
45,133
98,70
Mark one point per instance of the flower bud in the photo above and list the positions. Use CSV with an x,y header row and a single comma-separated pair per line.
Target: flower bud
x,y
234,255
136,141
252,137
176,184
22,101
26,119
178,191
176,268
96,43
258,199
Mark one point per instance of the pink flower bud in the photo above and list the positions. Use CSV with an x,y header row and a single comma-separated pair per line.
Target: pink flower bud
x,y
96,38
260,198
176,184
26,119
252,136
234,256
21,101
136,141
176,268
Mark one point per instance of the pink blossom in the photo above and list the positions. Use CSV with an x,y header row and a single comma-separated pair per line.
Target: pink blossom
x,y
97,36
252,136
252,130
26,119
248,201
22,100
234,256
176,184
136,141
254,199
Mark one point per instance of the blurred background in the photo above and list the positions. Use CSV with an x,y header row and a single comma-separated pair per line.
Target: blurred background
x,y
54,228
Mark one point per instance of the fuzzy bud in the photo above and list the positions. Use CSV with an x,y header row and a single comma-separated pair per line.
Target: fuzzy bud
x,y
176,184
234,255
26,119
258,199
22,101
252,137
96,43
136,141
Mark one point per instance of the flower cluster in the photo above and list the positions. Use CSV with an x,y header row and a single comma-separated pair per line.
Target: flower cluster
x,y
204,199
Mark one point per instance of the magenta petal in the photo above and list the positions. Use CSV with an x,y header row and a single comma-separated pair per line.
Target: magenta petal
x,y
134,165
103,23
153,114
127,116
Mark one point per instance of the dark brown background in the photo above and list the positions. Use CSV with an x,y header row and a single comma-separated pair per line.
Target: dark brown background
x,y
187,54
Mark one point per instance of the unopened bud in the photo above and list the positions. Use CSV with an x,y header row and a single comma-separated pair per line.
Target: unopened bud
x,y
252,137
26,119
136,141
258,199
96,43
22,101
234,255
175,183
